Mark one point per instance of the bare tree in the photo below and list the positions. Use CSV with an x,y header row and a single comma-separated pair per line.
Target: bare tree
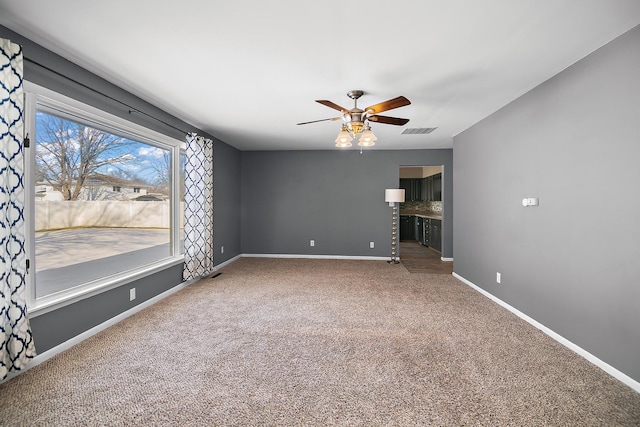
x,y
162,168
68,153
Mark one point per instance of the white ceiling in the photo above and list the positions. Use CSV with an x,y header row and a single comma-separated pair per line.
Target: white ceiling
x,y
248,71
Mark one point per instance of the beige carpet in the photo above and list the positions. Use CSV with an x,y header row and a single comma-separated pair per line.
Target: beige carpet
x,y
320,342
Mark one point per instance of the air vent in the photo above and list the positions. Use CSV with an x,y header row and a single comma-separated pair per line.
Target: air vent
x,y
418,131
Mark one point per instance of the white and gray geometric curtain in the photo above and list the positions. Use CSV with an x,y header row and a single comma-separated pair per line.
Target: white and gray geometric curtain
x,y
16,340
198,208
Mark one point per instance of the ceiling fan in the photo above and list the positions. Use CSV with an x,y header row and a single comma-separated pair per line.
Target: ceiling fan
x,y
355,120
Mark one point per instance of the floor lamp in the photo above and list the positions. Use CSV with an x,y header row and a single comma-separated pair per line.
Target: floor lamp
x,y
394,196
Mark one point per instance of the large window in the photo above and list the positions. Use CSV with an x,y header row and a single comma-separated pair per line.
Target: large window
x,y
106,199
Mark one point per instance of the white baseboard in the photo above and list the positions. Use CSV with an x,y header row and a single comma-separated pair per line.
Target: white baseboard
x,y
635,385
446,259
297,256
227,262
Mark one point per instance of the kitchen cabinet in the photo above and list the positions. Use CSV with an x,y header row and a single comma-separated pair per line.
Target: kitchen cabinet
x,y
435,234
428,188
407,227
417,189
412,189
427,231
423,238
432,188
437,187
406,185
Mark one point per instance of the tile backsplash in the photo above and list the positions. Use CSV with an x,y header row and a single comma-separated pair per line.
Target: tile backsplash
x,y
421,207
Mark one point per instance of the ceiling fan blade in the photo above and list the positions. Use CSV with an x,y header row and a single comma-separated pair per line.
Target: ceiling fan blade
x,y
400,101
332,105
388,120
321,120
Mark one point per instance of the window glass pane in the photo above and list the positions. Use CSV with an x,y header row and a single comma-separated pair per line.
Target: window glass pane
x,y
102,203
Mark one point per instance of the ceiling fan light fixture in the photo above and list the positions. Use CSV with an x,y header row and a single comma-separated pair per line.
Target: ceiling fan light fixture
x,y
355,128
367,139
366,144
345,144
344,139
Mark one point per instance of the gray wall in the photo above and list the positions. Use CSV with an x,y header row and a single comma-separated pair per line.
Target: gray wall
x,y
335,197
58,326
53,328
226,202
572,262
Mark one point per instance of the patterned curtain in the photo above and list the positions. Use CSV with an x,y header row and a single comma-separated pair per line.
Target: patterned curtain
x,y
16,340
198,208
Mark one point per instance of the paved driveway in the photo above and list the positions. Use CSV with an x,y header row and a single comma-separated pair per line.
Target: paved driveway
x,y
68,258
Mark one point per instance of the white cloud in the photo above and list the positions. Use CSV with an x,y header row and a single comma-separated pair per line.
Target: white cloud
x,y
149,151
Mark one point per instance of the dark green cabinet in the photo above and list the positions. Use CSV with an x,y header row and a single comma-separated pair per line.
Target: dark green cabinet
x,y
423,237
412,189
417,189
436,187
435,234
405,184
429,188
427,231
407,227
432,188
426,188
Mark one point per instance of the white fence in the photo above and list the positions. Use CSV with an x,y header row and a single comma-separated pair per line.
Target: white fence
x,y
102,213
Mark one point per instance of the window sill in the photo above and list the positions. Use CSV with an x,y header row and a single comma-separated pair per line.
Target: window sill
x,y
61,299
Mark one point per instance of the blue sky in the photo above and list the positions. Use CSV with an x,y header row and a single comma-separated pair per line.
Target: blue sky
x,y
141,159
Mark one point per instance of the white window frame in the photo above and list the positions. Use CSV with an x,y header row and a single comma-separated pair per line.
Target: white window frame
x,y
38,97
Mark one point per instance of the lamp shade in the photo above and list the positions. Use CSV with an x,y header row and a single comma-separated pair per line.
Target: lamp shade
x,y
367,139
394,195
344,139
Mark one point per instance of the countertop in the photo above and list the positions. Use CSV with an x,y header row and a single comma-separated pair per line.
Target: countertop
x,y
422,215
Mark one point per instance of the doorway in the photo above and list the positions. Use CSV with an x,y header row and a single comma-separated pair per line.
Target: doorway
x,y
421,218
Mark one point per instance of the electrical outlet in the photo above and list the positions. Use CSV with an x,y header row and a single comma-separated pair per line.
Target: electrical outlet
x,y
530,201
372,245
312,242
498,277
132,294
221,249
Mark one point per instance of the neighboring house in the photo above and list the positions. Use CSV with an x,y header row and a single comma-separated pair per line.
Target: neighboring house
x,y
106,187
103,187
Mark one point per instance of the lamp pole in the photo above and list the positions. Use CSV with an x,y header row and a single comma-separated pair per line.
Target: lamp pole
x,y
394,196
